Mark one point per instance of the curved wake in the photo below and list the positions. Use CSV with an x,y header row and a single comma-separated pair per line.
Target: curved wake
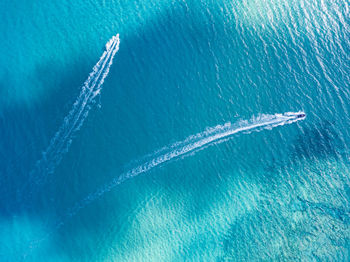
x,y
191,144
60,143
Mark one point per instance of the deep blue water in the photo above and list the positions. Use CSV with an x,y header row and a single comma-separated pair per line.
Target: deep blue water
x,y
163,162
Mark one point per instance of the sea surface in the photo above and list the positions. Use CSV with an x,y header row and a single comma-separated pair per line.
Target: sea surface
x,y
165,130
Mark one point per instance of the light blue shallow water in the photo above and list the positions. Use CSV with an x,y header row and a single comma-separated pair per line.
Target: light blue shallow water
x,y
163,162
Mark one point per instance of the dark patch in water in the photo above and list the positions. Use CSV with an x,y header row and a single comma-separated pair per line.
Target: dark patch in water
x,y
321,140
339,213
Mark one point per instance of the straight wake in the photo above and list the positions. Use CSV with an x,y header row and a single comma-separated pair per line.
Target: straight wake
x,y
183,148
60,143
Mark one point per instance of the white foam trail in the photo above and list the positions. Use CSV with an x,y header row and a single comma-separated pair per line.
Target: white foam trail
x,y
191,144
60,143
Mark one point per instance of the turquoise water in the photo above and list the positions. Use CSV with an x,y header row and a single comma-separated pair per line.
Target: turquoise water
x,y
164,161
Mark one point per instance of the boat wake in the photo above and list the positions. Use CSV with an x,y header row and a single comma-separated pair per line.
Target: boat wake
x,y
183,148
60,143
191,144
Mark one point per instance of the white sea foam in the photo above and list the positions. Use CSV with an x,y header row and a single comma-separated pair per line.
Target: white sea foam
x,y
192,144
61,141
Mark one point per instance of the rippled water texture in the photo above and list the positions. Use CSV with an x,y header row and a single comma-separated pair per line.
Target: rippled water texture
x,y
186,147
